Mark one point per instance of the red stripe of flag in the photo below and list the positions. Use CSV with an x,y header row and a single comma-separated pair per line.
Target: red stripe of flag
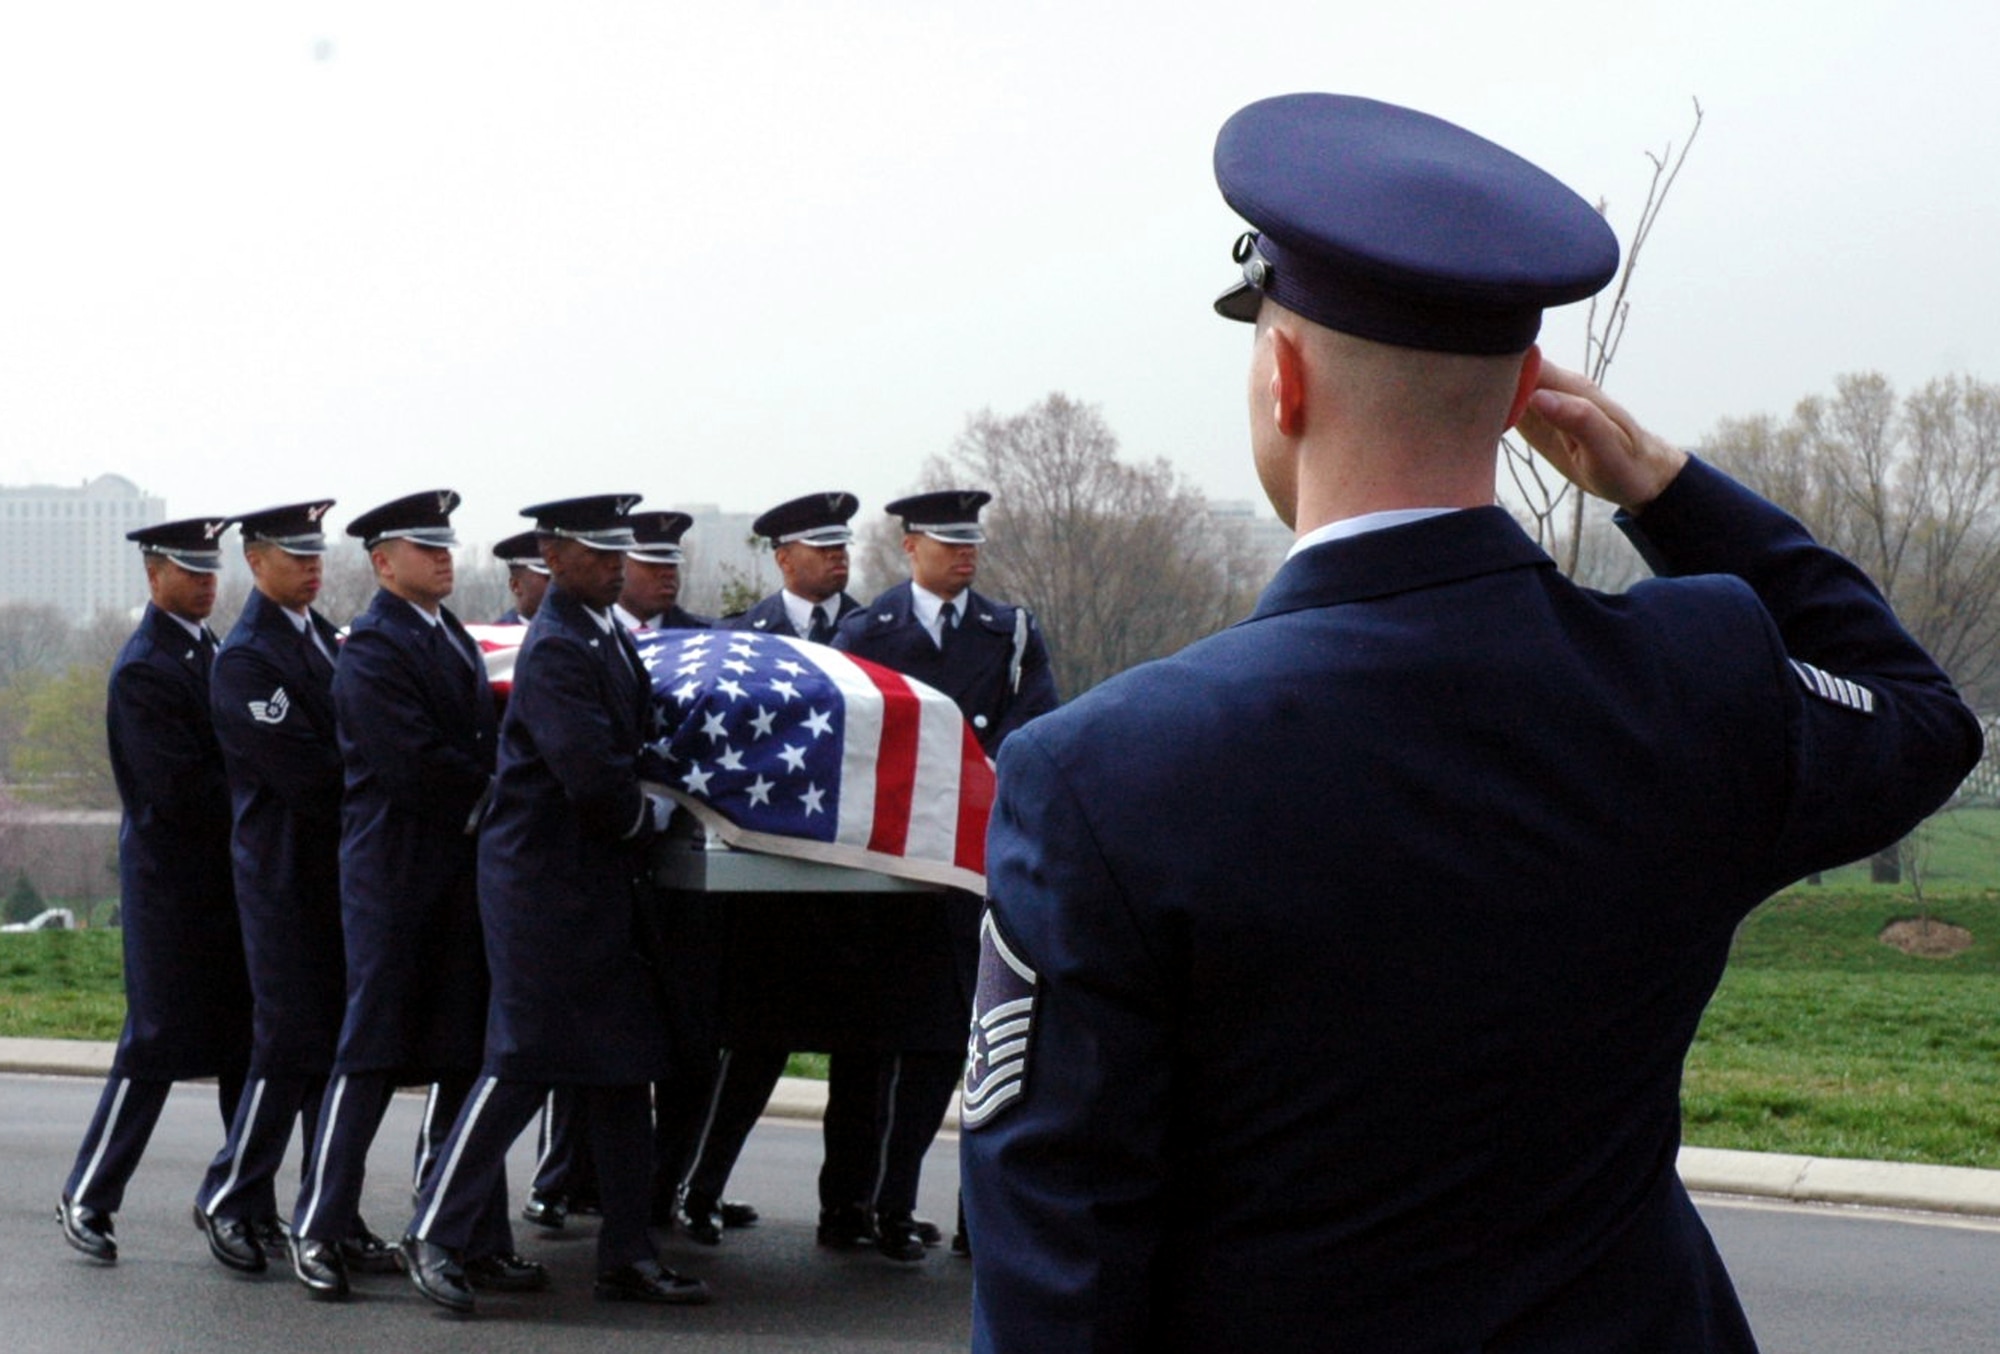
x,y
895,760
975,802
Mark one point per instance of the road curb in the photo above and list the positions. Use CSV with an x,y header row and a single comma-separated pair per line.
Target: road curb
x,y
1708,1170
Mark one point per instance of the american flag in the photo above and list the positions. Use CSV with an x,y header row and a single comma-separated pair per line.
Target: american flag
x,y
794,748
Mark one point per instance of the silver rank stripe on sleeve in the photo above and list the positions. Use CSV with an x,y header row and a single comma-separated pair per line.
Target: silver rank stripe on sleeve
x,y
1834,690
1003,1018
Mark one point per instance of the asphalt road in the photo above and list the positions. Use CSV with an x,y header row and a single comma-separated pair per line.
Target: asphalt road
x,y
1816,1280
775,1290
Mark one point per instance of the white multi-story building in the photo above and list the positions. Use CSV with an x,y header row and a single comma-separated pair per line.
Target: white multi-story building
x,y
67,547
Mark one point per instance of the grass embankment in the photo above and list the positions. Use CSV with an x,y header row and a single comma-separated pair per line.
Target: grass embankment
x,y
1821,1040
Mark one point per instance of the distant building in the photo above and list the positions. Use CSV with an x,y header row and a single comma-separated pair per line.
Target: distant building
x,y
67,547
723,554
1264,538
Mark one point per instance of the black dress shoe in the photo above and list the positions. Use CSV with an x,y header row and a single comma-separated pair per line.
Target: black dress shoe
x,y
319,1267
700,1217
274,1236
88,1229
545,1210
505,1272
848,1227
648,1281
896,1236
736,1213
961,1245
437,1275
927,1231
366,1253
231,1241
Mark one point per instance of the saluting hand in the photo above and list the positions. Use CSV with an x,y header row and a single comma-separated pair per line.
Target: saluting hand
x,y
1594,443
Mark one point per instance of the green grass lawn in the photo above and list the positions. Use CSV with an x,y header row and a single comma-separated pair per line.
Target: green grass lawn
x,y
1821,1040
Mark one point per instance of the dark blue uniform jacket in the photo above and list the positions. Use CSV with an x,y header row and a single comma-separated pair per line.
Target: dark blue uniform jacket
x,y
1371,933
187,996
974,666
273,705
418,730
572,1000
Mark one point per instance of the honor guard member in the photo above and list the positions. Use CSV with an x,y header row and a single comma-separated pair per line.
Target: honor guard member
x,y
417,727
272,698
651,598
990,659
187,996
809,539
562,1161
1339,969
527,577
561,862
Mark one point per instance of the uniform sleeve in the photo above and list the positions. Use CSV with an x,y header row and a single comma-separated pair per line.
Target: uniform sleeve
x,y
1877,736
386,719
1065,1183
264,727
1037,694
563,700
166,742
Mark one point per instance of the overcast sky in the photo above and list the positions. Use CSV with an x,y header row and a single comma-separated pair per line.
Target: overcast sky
x,y
729,253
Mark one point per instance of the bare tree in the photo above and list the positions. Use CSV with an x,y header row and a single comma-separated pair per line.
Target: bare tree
x,y
1554,506
1909,489
34,637
1120,562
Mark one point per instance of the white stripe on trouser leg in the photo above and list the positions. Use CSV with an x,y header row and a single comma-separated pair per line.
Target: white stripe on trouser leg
x,y
424,1138
548,1141
236,1149
328,1118
103,1140
708,1120
888,1131
468,1120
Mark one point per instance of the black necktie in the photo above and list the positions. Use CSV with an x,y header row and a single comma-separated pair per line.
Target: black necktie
x,y
947,623
316,660
822,628
206,648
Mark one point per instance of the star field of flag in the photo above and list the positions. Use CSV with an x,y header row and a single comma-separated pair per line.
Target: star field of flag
x,y
755,731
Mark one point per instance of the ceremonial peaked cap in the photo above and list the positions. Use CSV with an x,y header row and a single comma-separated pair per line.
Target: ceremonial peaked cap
x,y
1400,227
658,535
521,551
949,515
600,521
424,518
294,528
816,519
194,543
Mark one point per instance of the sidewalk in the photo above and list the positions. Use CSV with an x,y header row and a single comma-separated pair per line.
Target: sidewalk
x,y
1707,1170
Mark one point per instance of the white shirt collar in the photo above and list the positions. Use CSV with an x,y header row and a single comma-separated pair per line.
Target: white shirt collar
x,y
800,612
929,610
1363,524
625,618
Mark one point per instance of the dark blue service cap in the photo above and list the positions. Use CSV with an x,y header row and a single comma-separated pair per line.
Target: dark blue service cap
x,y
194,543
424,518
949,515
522,550
1396,226
600,521
816,519
657,536
294,528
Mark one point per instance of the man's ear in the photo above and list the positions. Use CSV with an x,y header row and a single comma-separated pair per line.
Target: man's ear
x,y
1524,385
1288,382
